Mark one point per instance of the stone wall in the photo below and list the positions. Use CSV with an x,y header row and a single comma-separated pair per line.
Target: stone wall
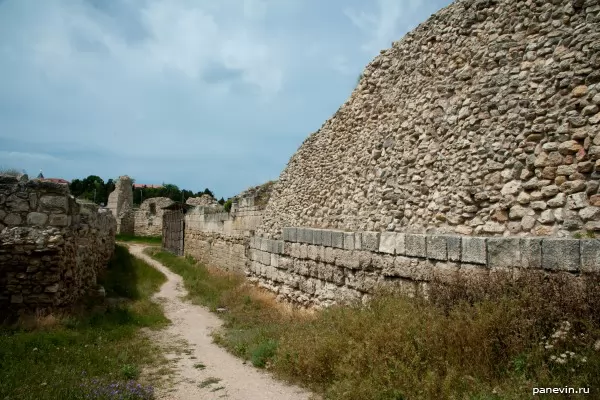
x,y
120,203
51,247
220,239
321,267
484,120
149,217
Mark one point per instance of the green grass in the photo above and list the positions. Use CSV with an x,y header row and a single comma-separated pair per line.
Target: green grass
x,y
156,240
64,357
470,341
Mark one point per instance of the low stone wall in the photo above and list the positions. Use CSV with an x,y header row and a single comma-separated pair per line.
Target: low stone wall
x,y
221,239
321,267
227,253
51,247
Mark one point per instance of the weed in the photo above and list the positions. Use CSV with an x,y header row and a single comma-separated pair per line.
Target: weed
x,y
209,381
156,240
199,366
472,339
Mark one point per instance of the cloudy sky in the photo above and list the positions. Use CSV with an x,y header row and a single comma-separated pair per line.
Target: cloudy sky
x,y
199,93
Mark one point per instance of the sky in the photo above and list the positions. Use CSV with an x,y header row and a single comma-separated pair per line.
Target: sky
x,y
197,93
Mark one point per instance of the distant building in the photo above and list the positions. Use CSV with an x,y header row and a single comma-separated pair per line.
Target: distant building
x,y
142,186
53,180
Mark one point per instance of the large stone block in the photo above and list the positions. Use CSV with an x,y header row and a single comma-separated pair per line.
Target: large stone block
x,y
317,237
437,248
503,252
301,232
453,246
326,238
358,241
285,232
370,241
308,236
54,203
264,244
560,254
349,240
473,250
337,239
590,255
293,234
400,244
416,245
387,242
59,220
531,252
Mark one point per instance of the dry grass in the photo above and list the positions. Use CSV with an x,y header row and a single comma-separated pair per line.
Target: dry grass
x,y
475,339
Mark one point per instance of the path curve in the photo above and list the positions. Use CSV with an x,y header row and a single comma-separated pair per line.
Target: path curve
x,y
195,324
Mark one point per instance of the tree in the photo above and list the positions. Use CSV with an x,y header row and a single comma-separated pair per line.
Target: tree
x,y
221,201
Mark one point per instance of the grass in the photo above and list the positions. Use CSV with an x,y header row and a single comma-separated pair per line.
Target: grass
x,y
471,340
155,240
96,351
208,382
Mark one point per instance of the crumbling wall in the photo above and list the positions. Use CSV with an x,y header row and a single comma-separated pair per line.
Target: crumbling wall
x,y
51,247
120,203
221,239
148,218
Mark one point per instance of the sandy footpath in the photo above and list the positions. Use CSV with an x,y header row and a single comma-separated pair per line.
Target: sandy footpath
x,y
230,377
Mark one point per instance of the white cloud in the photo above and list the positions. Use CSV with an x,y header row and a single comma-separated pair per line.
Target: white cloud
x,y
382,27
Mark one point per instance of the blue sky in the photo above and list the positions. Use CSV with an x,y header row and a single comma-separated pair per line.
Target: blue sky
x,y
199,93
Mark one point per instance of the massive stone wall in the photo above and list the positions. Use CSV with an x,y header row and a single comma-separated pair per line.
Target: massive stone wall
x,y
51,247
221,239
148,218
484,120
120,203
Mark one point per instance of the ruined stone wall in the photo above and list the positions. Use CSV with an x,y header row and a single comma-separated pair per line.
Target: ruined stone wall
x,y
120,203
220,239
321,267
149,217
51,247
484,120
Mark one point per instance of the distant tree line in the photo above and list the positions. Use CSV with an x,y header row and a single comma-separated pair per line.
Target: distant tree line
x,y
93,188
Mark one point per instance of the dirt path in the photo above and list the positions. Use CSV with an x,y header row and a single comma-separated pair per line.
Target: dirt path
x,y
206,364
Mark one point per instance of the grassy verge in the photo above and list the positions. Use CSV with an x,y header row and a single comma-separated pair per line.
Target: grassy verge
x,y
95,354
459,345
155,240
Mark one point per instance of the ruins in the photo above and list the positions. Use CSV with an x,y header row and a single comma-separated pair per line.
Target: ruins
x,y
470,147
52,248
